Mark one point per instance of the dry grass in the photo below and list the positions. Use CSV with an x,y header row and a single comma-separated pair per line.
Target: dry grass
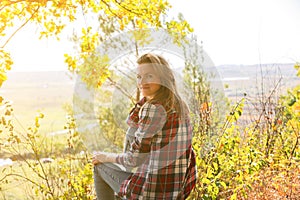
x,y
276,184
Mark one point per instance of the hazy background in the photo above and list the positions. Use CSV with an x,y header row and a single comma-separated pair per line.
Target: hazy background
x,y
248,41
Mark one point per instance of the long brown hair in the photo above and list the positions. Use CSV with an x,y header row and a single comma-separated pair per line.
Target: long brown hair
x,y
167,95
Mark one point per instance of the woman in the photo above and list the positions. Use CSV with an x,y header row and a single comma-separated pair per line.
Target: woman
x,y
161,144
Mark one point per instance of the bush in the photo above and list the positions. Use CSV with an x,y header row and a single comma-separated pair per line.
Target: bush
x,y
256,161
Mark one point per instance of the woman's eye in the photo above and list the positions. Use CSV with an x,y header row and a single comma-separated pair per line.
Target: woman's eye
x,y
138,77
149,76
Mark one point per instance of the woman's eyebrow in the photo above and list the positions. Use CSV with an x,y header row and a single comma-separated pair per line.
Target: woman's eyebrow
x,y
145,74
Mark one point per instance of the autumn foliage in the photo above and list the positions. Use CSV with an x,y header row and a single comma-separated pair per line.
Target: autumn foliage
x,y
256,160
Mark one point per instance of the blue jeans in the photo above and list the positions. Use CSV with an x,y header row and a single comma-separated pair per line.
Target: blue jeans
x,y
108,178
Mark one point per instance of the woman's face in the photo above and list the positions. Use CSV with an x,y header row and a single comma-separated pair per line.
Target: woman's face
x,y
148,80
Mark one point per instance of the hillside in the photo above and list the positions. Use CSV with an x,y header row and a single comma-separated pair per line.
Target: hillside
x,y
257,79
32,92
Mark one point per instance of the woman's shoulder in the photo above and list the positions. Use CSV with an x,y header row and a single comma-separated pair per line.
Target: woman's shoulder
x,y
152,108
153,105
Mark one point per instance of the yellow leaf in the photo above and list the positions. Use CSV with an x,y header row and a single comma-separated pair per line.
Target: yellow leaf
x,y
233,197
3,77
223,184
205,181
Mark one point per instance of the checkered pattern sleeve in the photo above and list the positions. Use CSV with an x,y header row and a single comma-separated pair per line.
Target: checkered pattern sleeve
x,y
152,118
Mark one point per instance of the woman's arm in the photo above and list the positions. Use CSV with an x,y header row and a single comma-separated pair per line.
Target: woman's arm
x,y
102,157
151,121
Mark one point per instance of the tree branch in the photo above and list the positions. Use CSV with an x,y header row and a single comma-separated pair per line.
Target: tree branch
x,y
108,6
265,102
19,28
121,89
127,9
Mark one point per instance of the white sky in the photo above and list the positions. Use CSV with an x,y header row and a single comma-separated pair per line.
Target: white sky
x,y
232,31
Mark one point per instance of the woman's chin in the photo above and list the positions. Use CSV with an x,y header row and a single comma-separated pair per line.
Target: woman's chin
x,y
145,93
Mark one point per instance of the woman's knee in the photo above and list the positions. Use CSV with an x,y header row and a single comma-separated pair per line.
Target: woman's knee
x,y
96,169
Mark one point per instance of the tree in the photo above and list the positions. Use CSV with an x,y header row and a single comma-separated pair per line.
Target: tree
x,y
52,16
55,15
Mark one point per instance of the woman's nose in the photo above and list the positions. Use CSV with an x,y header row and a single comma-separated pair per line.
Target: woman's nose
x,y
142,81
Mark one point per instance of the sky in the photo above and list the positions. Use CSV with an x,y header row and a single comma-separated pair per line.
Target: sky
x,y
240,32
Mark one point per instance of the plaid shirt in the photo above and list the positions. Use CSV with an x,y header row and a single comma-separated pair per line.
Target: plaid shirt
x,y
160,147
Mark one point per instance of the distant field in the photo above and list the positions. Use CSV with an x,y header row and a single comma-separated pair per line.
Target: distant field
x,y
30,93
257,79
34,92
47,92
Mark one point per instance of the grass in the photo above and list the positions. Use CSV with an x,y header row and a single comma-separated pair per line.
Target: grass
x,y
31,94
20,188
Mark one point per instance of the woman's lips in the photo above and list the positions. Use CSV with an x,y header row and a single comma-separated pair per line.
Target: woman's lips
x,y
144,88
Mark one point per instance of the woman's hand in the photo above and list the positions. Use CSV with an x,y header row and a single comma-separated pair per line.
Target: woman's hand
x,y
95,159
102,157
